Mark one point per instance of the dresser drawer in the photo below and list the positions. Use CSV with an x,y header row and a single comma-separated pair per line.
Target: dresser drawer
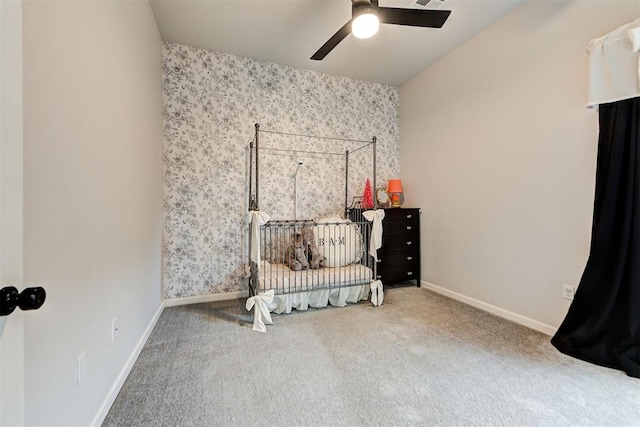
x,y
398,243
408,259
398,274
393,227
392,214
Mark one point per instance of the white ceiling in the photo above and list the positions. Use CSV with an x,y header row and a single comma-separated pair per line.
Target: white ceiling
x,y
290,31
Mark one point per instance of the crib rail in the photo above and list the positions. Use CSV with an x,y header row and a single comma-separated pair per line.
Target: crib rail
x,y
303,255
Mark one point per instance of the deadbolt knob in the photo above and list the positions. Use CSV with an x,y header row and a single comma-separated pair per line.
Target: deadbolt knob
x,y
28,299
8,300
31,298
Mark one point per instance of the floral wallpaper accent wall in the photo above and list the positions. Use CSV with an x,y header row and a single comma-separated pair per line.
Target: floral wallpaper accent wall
x,y
211,102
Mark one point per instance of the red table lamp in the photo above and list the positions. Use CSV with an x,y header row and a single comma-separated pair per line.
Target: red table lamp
x,y
396,195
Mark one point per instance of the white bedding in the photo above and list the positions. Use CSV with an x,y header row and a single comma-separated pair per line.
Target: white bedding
x,y
281,278
337,297
305,288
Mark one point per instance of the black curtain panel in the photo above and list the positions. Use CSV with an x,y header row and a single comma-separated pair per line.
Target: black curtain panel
x,y
603,322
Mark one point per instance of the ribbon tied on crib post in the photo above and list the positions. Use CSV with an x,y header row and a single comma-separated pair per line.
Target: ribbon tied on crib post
x,y
256,219
261,314
377,293
375,216
375,243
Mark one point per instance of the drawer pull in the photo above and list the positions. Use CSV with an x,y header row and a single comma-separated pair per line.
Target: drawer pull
x,y
409,216
409,243
408,227
409,258
409,273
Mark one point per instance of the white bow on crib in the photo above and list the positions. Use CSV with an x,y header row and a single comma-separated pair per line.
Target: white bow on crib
x,y
256,219
376,231
377,293
261,314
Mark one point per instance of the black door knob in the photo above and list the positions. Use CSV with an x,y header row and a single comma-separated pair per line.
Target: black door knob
x,y
31,298
28,299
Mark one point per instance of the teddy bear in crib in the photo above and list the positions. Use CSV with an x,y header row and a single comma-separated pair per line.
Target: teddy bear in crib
x,y
297,253
309,241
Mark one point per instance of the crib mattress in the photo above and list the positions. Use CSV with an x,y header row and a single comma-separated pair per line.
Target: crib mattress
x,y
282,279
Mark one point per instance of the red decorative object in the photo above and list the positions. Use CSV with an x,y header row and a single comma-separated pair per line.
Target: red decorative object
x,y
396,194
367,197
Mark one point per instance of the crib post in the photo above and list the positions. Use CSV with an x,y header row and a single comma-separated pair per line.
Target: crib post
x,y
257,168
375,187
346,184
251,200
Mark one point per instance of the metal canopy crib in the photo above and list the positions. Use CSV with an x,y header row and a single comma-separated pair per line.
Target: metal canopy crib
x,y
340,269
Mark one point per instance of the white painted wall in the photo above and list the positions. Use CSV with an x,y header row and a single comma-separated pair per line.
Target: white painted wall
x,y
499,151
11,267
92,199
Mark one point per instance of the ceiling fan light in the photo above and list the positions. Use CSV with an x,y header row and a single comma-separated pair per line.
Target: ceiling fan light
x,y
365,25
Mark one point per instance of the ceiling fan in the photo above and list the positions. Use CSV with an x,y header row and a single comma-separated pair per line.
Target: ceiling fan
x,y
366,15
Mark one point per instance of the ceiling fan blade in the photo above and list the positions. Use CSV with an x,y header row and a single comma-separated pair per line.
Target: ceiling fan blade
x,y
413,17
332,42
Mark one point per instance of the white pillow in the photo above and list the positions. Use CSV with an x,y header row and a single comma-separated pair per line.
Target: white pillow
x,y
339,241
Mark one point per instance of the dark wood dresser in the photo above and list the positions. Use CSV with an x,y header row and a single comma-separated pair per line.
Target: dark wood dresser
x,y
399,256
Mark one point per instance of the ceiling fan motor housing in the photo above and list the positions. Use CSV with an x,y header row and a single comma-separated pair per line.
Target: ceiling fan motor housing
x,y
361,7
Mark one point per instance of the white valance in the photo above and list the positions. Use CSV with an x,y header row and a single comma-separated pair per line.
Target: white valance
x,y
614,65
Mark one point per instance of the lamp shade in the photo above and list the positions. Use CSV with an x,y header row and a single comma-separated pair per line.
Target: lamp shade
x,y
396,195
394,186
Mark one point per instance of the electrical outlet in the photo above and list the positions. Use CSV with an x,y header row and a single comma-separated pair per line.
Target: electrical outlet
x,y
114,329
568,291
81,367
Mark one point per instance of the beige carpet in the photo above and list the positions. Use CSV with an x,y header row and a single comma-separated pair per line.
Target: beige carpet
x,y
420,359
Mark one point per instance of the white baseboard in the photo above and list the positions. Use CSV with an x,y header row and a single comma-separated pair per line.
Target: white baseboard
x,y
205,298
501,312
122,376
